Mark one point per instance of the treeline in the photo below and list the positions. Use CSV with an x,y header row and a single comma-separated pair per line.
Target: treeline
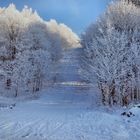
x,y
111,53
30,48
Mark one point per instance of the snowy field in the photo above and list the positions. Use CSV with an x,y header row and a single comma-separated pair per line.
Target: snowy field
x,y
67,111
65,116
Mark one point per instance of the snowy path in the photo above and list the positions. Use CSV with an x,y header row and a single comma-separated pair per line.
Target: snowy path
x,y
63,117
63,112
48,117
60,117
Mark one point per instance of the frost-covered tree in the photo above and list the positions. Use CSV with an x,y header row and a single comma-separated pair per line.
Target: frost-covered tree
x,y
136,2
111,53
25,54
67,37
30,49
11,31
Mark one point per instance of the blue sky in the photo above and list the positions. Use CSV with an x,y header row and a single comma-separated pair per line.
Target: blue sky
x,y
77,14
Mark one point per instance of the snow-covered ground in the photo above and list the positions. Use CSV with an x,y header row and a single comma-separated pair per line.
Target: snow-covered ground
x,y
65,116
67,111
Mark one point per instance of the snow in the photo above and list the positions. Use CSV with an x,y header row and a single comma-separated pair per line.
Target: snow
x,y
65,116
67,111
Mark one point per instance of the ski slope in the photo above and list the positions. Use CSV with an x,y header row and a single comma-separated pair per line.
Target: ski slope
x,y
67,111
